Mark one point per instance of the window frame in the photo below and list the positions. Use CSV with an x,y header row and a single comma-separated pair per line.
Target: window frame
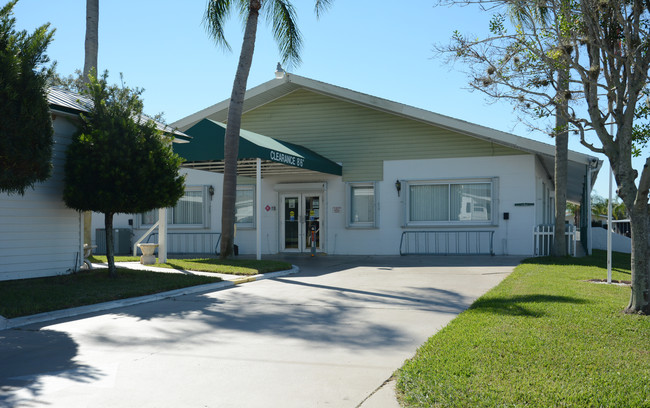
x,y
374,224
493,221
247,225
206,201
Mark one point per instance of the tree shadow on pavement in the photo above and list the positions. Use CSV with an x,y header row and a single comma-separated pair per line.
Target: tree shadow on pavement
x,y
434,299
27,357
326,316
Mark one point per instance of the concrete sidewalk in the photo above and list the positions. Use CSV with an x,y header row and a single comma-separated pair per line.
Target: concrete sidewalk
x,y
228,281
331,335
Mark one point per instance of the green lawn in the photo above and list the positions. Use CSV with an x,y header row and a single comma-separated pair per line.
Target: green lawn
x,y
544,337
30,296
246,267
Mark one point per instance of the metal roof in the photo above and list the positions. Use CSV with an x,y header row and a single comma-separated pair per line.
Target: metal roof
x,y
66,101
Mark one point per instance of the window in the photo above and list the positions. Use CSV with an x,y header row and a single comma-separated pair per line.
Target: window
x,y
191,210
245,207
450,202
362,205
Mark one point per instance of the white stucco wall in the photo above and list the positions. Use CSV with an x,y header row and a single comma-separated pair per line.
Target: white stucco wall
x,y
518,180
516,184
39,235
515,176
620,243
544,195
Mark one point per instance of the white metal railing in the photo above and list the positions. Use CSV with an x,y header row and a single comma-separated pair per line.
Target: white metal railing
x,y
191,242
543,239
458,242
146,234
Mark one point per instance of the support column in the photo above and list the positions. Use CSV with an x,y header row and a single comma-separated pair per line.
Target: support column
x,y
258,209
162,235
609,229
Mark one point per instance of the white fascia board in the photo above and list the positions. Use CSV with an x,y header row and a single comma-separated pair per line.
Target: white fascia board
x,y
187,122
57,112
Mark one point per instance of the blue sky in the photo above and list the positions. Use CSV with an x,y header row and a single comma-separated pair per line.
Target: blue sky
x,y
374,47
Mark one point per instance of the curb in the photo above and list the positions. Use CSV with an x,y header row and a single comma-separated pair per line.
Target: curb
x,y
114,304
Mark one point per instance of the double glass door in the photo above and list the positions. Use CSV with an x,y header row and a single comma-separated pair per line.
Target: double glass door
x,y
300,222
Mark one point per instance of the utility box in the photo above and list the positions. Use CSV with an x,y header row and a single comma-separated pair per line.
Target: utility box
x,y
121,241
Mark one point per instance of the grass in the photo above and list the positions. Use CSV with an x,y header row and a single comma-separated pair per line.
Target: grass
x,y
117,258
544,337
30,296
246,267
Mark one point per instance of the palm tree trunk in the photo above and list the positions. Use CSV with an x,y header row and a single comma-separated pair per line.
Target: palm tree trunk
x,y
91,47
233,127
561,160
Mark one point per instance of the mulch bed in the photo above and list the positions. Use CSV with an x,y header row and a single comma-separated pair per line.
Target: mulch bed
x,y
614,282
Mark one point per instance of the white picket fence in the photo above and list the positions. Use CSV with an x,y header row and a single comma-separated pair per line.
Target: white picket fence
x,y
543,239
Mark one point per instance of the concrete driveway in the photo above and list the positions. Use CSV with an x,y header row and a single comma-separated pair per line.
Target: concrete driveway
x,y
330,336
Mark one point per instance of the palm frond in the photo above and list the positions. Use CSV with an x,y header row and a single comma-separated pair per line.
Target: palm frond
x,y
214,19
282,16
320,6
243,8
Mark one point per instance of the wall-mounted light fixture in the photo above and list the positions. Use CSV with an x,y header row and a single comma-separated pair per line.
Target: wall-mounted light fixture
x,y
398,186
211,190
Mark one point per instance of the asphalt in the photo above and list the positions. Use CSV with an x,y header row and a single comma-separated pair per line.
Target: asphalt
x,y
330,332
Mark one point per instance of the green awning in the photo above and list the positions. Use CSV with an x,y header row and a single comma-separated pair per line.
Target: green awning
x,y
207,145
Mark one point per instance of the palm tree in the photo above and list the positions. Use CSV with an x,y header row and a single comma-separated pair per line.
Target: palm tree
x,y
91,46
529,13
281,14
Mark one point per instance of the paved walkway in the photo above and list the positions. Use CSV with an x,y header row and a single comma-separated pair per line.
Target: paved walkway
x,y
331,335
229,280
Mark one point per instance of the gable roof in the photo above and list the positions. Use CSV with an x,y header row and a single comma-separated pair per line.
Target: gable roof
x,y
278,88
71,103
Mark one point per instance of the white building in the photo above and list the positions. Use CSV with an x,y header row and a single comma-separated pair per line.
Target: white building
x,y
39,235
370,175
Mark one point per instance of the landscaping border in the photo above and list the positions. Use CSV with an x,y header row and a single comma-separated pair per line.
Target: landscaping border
x,y
114,304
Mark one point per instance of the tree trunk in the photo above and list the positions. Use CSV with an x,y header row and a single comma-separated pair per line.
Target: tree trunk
x,y
92,38
91,47
561,159
110,250
233,127
640,298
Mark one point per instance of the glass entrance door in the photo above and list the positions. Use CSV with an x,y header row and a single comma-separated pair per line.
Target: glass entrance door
x,y
300,221
291,222
312,221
